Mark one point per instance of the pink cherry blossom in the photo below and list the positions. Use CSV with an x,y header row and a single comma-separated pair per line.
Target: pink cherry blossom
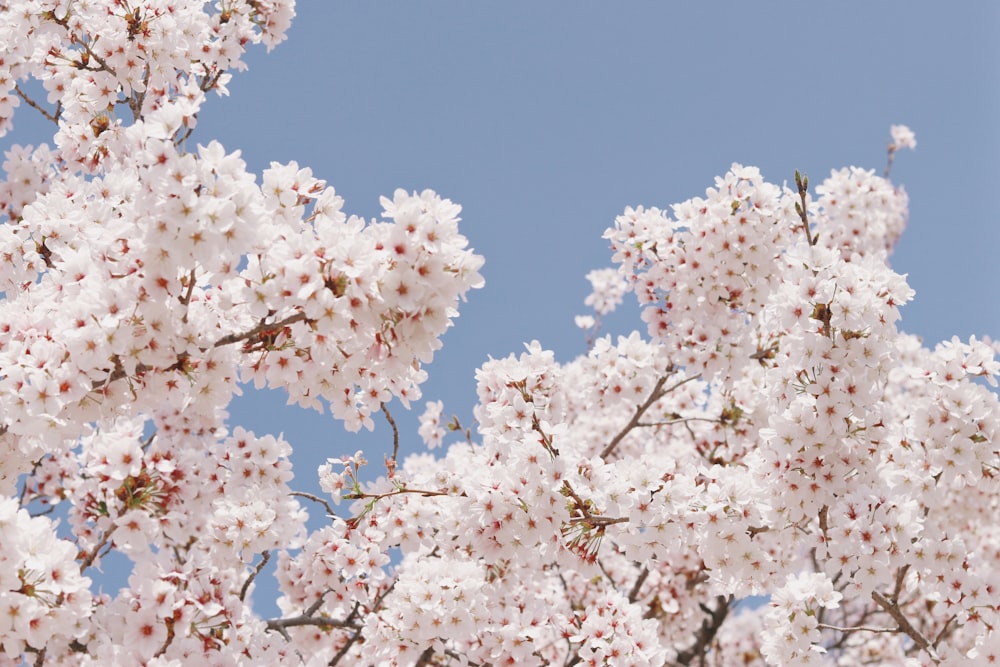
x,y
771,433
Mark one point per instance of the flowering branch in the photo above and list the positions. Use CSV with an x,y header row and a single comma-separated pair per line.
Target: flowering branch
x,y
891,606
89,558
186,299
656,394
357,634
259,329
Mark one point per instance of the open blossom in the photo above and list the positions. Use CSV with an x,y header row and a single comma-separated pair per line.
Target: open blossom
x,y
608,290
431,431
902,137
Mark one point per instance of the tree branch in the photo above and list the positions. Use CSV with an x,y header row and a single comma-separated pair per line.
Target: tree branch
x,y
892,608
186,300
265,556
89,559
856,628
709,628
260,328
802,184
315,499
633,594
35,105
655,395
279,624
395,432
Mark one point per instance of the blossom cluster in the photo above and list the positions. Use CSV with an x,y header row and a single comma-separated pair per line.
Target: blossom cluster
x,y
772,433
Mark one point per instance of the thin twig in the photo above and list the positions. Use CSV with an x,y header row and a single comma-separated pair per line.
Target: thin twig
x,y
802,183
633,594
28,477
395,431
89,559
709,628
186,300
119,372
892,608
655,395
344,649
375,607
279,624
265,556
889,160
35,105
315,499
680,420
857,628
263,326
944,631
900,576
425,657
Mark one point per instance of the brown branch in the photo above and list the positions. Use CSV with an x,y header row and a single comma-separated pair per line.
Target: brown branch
x,y
315,499
186,300
709,628
655,395
900,576
375,497
35,105
279,624
265,556
350,640
100,61
119,372
595,521
892,608
802,183
945,630
857,628
28,477
395,432
889,160
633,594
353,638
344,649
681,420
425,657
260,328
92,556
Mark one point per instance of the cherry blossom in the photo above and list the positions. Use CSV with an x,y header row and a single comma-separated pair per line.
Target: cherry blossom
x,y
771,472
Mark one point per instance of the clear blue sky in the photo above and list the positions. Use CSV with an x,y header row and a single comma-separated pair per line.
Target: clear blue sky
x,y
544,120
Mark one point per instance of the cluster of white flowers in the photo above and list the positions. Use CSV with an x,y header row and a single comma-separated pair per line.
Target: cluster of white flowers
x,y
793,620
772,434
43,597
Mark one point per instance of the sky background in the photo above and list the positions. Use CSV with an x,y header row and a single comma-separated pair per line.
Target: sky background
x,y
544,120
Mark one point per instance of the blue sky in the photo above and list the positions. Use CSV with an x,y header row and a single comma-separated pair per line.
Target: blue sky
x,y
544,120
